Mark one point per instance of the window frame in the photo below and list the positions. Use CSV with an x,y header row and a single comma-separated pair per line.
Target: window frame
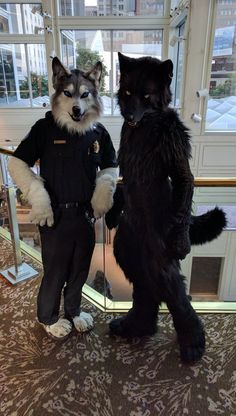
x,y
112,23
203,106
25,39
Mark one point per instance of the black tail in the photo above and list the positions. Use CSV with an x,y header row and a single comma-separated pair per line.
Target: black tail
x,y
207,227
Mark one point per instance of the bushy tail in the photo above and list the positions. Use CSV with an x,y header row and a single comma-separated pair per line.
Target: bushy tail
x,y
207,227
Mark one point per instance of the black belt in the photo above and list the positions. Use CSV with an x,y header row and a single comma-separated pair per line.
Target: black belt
x,y
72,205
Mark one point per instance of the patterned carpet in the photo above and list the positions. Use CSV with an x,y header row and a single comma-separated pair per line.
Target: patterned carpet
x,y
97,375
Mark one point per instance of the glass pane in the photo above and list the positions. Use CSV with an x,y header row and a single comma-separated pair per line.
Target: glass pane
x,y
10,18
9,56
84,48
38,74
111,7
134,43
221,111
205,276
174,4
179,67
33,18
137,7
105,276
14,79
28,232
96,278
121,289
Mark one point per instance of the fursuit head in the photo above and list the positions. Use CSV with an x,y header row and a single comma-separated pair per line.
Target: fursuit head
x,y
152,208
76,103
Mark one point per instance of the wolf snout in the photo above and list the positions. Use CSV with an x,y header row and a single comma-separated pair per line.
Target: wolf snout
x,y
129,116
76,111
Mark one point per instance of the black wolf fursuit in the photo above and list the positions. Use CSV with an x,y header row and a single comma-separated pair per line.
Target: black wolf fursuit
x,y
153,207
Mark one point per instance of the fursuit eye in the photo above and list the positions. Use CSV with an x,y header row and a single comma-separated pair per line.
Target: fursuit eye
x,y
67,93
127,92
85,94
146,95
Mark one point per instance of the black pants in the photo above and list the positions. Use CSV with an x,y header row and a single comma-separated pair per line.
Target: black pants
x,y
67,248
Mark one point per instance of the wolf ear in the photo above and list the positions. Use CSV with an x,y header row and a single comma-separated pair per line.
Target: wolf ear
x,y
58,70
124,61
167,69
95,74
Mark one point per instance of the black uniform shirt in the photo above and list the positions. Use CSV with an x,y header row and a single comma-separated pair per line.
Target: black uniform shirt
x,y
68,162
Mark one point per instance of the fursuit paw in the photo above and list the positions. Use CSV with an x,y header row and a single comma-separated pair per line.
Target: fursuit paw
x,y
192,344
102,199
129,328
60,330
41,215
83,322
179,243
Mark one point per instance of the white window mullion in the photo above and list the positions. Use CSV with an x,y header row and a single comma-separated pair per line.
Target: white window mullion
x,y
18,38
4,78
29,75
112,23
165,43
23,18
207,63
112,78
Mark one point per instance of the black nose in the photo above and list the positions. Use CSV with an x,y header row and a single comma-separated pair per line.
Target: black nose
x,y
76,111
129,116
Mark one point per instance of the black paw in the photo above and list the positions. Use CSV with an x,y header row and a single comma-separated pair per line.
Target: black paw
x,y
192,345
179,243
127,328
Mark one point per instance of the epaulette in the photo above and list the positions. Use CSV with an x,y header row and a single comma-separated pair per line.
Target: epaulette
x,y
98,128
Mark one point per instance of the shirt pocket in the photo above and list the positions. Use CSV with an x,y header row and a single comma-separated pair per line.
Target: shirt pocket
x,y
61,151
61,157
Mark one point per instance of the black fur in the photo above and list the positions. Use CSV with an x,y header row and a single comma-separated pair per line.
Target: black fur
x,y
155,227
207,227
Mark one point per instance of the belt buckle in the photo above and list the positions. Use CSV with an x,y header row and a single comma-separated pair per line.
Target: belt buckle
x,y
67,205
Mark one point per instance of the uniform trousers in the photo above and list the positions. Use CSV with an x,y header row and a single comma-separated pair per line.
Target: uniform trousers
x,y
67,249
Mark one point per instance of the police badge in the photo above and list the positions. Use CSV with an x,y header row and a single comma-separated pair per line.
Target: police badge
x,y
94,147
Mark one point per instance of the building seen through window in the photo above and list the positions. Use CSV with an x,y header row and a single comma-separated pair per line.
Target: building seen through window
x,y
83,48
111,8
23,69
23,72
221,113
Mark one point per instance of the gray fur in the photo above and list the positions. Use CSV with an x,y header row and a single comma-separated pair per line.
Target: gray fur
x,y
76,82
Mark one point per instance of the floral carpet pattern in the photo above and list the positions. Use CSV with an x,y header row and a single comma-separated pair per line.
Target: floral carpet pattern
x,y
95,374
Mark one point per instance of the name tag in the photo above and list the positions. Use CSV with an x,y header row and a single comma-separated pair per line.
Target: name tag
x,y
59,141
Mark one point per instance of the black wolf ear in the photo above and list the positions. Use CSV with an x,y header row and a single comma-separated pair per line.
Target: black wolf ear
x,y
95,74
124,61
167,68
58,70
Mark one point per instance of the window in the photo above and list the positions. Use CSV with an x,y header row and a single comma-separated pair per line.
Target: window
x,y
83,48
221,109
23,71
112,7
178,66
22,85
20,18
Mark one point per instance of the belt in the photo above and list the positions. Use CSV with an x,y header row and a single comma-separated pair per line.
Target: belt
x,y
71,205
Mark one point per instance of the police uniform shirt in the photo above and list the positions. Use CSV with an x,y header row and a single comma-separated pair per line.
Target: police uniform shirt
x,y
68,162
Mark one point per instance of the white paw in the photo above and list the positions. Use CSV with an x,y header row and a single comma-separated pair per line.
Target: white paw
x,y
41,215
83,322
102,199
59,330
